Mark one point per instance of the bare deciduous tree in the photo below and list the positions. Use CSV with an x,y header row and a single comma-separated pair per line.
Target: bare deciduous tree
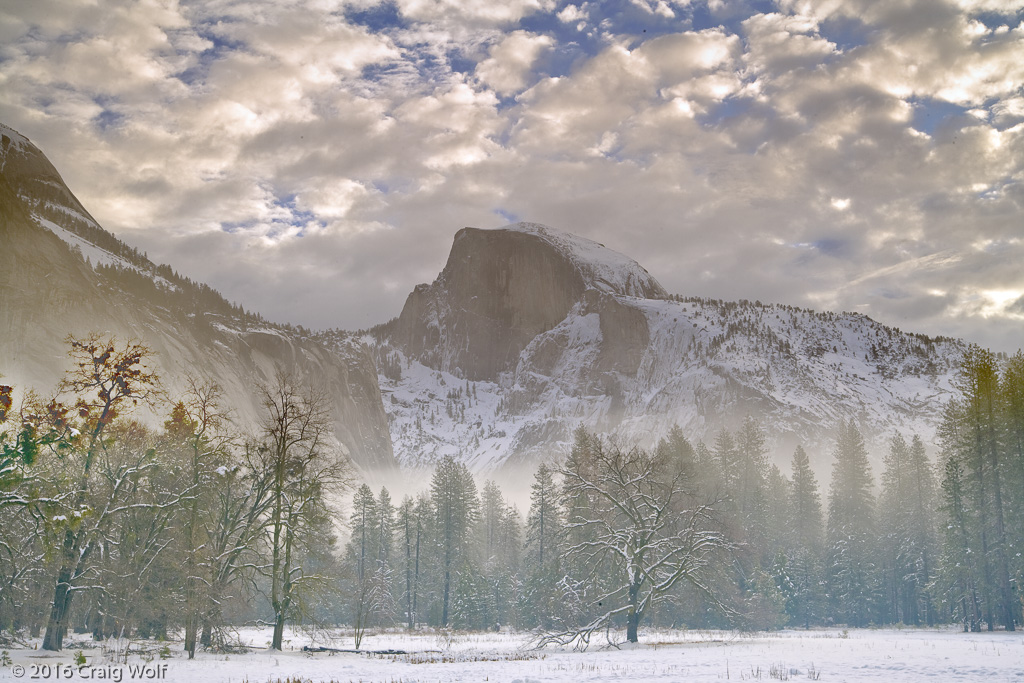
x,y
641,523
304,471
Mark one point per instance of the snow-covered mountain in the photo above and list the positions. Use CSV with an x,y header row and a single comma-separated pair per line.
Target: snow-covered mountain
x,y
61,274
529,332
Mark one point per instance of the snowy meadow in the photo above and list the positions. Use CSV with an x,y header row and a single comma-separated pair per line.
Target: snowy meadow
x,y
662,655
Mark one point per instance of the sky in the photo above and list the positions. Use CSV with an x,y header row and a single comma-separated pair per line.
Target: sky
x,y
313,159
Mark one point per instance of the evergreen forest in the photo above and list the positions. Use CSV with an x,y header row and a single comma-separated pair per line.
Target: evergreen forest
x,y
113,527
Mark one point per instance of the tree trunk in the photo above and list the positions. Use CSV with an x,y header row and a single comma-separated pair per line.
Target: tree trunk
x,y
191,629
444,608
631,627
633,618
57,625
206,639
414,618
278,632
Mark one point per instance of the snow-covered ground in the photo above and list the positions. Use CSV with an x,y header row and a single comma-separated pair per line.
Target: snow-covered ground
x,y
825,655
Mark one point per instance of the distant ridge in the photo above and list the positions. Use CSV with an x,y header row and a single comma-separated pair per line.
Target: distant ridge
x,y
529,332
61,273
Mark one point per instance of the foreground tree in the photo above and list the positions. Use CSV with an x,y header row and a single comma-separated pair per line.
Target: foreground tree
x,y
84,504
641,520
978,434
302,472
22,555
194,437
233,526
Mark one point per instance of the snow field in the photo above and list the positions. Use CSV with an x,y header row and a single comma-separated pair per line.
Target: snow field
x,y
903,655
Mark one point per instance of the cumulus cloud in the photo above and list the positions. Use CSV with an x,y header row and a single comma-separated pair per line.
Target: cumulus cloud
x,y
572,14
481,11
777,43
313,159
507,68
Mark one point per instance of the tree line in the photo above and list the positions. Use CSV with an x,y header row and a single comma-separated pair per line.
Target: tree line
x,y
111,527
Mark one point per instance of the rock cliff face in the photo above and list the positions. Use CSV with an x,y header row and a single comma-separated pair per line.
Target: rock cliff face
x,y
502,288
49,290
528,333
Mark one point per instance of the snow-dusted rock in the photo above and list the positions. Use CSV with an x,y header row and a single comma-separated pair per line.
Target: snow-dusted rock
x,y
61,273
529,332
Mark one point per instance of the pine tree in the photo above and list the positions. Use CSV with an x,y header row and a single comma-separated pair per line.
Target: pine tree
x,y
959,574
1012,394
361,558
455,511
492,506
750,493
850,534
976,432
806,526
544,530
752,451
978,383
923,528
678,450
409,529
727,458
499,539
385,606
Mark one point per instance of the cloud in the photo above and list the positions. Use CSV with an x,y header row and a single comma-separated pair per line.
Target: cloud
x,y
507,68
478,11
313,159
778,43
572,14
658,7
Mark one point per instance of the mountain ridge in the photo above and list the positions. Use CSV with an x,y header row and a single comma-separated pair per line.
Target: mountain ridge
x,y
633,366
527,333
61,274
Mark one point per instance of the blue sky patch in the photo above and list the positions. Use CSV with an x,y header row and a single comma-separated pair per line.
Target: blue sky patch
x,y
108,119
298,216
507,215
993,20
232,227
930,114
562,60
832,246
729,108
196,74
729,16
846,32
379,18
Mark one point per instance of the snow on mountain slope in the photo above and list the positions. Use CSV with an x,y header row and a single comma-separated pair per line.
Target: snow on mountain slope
x,y
600,267
11,142
61,274
500,289
634,366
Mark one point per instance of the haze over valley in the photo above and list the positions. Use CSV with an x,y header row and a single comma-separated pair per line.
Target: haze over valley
x,y
535,340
